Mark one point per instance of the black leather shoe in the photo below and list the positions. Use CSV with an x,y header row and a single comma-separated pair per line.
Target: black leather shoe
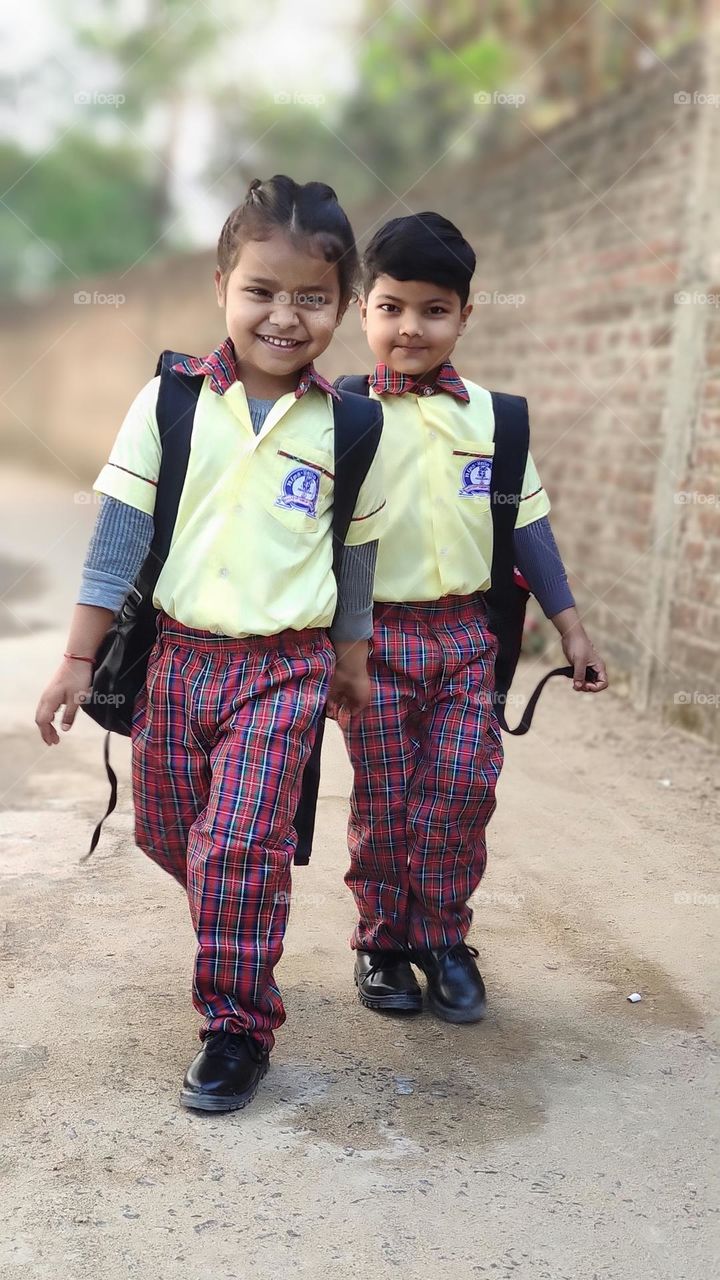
x,y
456,992
225,1074
385,980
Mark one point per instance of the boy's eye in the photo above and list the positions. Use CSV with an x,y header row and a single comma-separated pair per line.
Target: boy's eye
x,y
388,306
438,310
264,293
312,299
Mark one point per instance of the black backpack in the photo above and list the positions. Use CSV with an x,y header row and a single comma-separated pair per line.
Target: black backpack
x,y
122,658
506,599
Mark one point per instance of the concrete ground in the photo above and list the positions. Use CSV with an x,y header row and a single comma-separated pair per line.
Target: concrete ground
x,y
571,1136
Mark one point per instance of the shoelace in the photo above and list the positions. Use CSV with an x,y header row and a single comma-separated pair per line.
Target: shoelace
x,y
233,1043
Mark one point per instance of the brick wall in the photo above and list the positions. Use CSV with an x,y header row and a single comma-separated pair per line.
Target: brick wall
x,y
583,237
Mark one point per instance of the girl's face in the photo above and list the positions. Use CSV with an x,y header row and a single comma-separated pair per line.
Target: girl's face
x,y
282,306
412,326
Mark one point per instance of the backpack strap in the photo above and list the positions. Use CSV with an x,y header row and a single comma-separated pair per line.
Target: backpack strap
x,y
176,403
358,427
358,383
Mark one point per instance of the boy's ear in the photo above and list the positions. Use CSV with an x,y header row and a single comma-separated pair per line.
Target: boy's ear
x,y
465,316
219,287
362,307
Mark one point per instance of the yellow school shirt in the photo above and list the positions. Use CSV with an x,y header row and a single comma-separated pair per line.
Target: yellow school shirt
x,y
437,453
251,553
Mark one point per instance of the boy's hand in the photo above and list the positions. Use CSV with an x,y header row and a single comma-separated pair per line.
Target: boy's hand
x,y
68,687
578,649
350,685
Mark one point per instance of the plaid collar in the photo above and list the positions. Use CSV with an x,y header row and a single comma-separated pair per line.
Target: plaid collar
x,y
385,380
219,367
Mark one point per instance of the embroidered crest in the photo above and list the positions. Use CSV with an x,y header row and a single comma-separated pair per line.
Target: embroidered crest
x,y
475,478
300,490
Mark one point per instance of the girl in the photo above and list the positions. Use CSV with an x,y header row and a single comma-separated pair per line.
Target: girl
x,y
249,625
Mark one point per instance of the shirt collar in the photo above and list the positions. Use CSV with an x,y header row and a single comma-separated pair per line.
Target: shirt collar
x,y
386,381
220,368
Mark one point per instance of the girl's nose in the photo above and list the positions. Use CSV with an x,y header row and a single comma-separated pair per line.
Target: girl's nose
x,y
283,311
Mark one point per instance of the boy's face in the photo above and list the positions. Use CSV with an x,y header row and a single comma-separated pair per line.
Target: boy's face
x,y
412,326
281,305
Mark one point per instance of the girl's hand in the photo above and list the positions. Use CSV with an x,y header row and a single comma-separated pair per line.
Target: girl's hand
x,y
578,649
69,686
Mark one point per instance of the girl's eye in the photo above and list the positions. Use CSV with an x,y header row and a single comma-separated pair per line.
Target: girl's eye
x,y
313,299
388,306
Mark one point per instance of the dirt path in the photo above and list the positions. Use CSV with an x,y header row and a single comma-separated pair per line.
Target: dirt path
x,y
572,1135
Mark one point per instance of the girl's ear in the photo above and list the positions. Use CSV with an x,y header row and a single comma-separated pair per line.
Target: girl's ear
x,y
465,316
220,287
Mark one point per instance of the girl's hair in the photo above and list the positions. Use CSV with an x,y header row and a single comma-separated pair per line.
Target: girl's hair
x,y
307,212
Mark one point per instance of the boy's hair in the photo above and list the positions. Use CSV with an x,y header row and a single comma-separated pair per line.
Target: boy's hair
x,y
423,246
307,212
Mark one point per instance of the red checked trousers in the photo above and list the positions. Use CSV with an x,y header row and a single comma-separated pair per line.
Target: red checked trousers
x,y
426,755
220,736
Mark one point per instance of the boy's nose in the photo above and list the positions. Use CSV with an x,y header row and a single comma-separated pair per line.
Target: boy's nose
x,y
411,327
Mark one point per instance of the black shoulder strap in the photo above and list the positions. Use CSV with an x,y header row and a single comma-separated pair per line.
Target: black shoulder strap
x,y
358,383
512,442
358,427
176,403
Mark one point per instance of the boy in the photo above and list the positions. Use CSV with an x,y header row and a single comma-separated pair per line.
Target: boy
x,y
427,751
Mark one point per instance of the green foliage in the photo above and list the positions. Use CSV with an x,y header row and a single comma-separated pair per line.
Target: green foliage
x,y
86,206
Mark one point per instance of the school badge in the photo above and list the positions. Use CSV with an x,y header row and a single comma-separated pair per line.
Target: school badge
x,y
475,478
300,491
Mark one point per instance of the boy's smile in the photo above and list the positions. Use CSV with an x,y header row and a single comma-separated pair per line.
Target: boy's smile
x,y
412,325
281,308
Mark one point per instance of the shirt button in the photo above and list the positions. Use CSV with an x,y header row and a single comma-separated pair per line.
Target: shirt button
x,y
433,435
427,391
443,551
223,572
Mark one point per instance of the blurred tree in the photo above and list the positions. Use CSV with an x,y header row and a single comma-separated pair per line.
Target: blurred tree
x,y
87,206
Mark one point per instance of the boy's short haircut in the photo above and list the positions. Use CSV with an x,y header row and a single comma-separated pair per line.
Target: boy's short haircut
x,y
423,246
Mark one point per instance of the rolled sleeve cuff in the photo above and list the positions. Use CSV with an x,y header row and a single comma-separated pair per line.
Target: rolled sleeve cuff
x,y
103,590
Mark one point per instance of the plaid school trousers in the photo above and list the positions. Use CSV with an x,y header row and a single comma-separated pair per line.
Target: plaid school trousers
x,y
426,756
220,736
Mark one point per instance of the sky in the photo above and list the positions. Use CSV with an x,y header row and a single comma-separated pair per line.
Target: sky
x,y
294,49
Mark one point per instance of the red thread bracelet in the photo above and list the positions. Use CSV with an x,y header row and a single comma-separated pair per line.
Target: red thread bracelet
x,y
78,658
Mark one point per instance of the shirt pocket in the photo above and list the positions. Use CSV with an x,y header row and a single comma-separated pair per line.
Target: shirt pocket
x,y
301,490
471,465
